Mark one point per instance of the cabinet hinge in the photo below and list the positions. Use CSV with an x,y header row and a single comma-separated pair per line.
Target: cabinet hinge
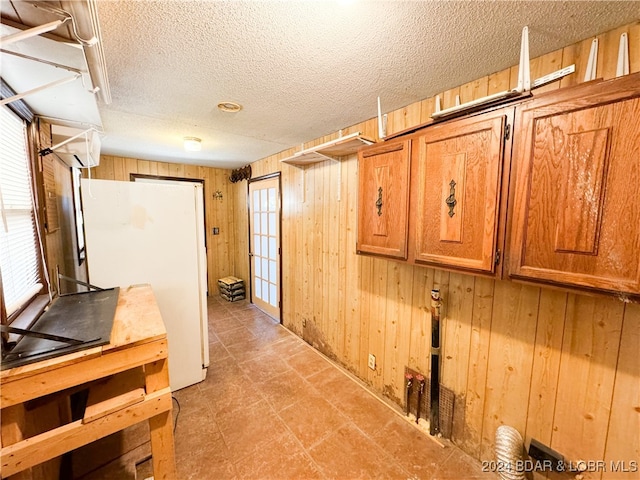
x,y
507,131
497,261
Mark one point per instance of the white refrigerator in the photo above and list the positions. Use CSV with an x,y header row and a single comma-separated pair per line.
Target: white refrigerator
x,y
154,233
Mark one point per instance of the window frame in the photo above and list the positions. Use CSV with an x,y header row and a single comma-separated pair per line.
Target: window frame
x,y
29,312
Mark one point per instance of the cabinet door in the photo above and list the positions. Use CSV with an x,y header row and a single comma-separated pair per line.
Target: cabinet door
x,y
576,217
457,173
383,199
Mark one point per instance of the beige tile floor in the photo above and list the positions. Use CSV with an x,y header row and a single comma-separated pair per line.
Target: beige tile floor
x,y
271,407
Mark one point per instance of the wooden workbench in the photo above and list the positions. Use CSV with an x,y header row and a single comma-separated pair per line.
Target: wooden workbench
x,y
138,343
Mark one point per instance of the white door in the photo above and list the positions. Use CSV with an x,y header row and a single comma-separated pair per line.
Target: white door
x,y
264,249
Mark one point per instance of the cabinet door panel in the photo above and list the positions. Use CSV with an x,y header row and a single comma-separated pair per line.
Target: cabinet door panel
x,y
458,167
383,199
577,206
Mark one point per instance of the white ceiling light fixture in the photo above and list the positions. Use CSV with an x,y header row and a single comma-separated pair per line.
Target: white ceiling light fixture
x,y
192,144
229,107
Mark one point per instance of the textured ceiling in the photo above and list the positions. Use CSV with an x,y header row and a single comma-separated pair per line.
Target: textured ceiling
x,y
303,69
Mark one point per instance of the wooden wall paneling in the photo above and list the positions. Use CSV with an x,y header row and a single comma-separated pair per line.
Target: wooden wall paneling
x,y
176,170
212,285
144,167
295,255
403,118
377,320
477,365
513,76
420,334
131,166
106,169
52,215
330,246
287,244
474,90
341,253
306,251
456,339
623,440
120,169
241,228
587,371
499,81
317,277
608,54
634,47
397,329
544,65
353,268
163,169
427,107
546,365
577,54
513,330
366,309
190,171
448,98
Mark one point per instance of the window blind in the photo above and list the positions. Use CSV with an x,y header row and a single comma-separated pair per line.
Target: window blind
x,y
19,259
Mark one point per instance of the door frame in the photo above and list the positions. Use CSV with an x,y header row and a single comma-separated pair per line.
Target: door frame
x,y
269,176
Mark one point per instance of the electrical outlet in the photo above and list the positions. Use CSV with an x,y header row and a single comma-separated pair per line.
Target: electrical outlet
x,y
372,361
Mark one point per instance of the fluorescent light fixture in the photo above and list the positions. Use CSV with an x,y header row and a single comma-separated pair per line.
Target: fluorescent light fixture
x,y
192,144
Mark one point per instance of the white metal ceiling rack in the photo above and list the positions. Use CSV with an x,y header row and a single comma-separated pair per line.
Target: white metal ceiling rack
x,y
45,28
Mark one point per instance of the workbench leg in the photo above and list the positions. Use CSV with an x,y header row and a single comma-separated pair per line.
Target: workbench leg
x,y
162,449
161,427
13,430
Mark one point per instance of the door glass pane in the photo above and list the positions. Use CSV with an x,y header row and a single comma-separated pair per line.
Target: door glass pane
x,y
265,246
256,244
256,222
272,248
272,295
272,199
256,200
263,204
258,287
265,268
257,269
272,271
264,227
265,290
272,224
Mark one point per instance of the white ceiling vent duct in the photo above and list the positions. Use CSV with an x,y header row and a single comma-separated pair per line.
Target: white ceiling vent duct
x,y
75,147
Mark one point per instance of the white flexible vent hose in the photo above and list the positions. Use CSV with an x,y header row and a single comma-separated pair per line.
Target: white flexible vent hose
x,y
509,447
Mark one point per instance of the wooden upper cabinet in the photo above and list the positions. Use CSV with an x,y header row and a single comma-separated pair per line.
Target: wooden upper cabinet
x,y
576,215
383,199
456,177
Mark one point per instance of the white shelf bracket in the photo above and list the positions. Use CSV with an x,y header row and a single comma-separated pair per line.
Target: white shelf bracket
x,y
31,32
592,64
524,73
623,56
57,83
457,100
438,106
382,122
